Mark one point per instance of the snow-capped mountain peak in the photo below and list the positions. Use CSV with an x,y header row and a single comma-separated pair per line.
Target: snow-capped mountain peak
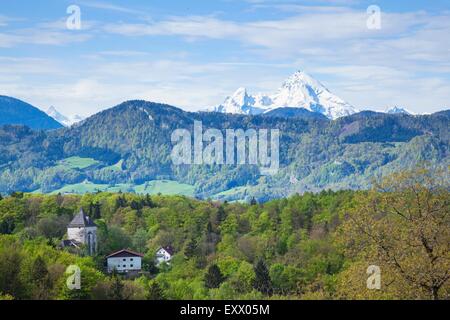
x,y
240,102
65,121
55,114
301,78
240,96
397,110
298,91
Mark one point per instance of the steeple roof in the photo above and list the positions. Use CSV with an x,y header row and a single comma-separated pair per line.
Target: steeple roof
x,y
81,220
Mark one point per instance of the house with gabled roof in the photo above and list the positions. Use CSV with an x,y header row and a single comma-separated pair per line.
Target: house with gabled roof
x,y
124,261
164,254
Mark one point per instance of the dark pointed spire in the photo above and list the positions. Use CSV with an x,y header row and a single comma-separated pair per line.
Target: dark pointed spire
x,y
81,220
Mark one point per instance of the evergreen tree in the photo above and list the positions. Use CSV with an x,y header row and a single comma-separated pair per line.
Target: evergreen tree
x,y
262,281
152,267
97,213
149,201
135,205
155,292
17,194
190,249
210,234
213,277
221,215
39,270
7,225
121,202
40,276
116,289
91,210
10,280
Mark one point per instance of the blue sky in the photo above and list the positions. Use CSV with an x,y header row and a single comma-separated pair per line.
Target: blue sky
x,y
192,54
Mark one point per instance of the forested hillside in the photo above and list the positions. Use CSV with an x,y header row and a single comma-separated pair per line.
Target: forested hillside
x,y
15,111
128,147
313,246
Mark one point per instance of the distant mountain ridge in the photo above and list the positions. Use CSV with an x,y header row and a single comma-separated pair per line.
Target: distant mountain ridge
x,y
62,119
130,145
299,91
294,113
15,111
396,110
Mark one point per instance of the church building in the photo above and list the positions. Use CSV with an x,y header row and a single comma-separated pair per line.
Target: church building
x,y
82,231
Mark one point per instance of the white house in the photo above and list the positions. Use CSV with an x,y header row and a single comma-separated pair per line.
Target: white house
x,y
164,254
81,231
124,261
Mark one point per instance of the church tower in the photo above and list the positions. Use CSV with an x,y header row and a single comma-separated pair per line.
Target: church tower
x,y
84,231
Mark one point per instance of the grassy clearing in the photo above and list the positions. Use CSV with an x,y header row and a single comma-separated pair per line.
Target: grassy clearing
x,y
166,187
77,162
115,167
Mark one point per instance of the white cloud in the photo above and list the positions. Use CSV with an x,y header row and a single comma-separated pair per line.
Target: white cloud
x,y
108,6
400,64
405,63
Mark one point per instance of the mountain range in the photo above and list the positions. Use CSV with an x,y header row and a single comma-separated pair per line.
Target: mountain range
x,y
299,91
62,119
325,143
128,148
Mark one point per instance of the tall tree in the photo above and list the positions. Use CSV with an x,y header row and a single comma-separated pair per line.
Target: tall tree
x,y
96,211
40,277
190,249
10,280
221,215
149,201
262,281
403,226
214,277
116,289
155,292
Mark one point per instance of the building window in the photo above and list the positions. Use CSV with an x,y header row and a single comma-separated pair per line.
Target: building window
x,y
124,259
131,259
131,266
124,266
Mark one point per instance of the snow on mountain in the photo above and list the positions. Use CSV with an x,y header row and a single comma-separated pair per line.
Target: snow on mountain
x,y
396,110
65,121
52,112
240,102
298,91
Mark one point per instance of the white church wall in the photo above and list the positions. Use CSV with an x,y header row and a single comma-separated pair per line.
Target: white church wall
x,y
77,234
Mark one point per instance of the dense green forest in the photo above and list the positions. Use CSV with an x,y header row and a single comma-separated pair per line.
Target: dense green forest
x,y
310,246
130,145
